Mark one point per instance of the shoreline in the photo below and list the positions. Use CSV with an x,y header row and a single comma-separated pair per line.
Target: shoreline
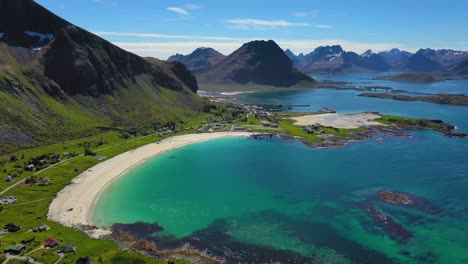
x,y
85,189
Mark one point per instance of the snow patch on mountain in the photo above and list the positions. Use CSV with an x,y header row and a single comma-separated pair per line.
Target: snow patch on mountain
x,y
40,35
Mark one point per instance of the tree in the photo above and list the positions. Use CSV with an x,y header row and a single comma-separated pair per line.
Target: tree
x,y
88,152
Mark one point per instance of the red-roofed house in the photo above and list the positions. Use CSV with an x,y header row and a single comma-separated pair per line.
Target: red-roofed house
x,y
51,242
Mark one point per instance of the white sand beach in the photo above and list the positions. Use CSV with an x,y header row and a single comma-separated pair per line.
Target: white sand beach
x,y
338,120
85,189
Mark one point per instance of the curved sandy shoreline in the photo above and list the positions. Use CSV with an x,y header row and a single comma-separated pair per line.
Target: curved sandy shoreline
x,y
84,189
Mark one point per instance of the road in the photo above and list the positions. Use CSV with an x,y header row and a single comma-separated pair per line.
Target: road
x,y
63,161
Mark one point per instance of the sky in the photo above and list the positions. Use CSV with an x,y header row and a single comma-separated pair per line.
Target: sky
x,y
161,28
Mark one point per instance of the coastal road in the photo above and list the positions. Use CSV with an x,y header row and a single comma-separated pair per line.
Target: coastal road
x,y
23,180
26,259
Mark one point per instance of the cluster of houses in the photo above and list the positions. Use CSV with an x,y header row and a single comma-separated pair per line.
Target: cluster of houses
x,y
8,200
211,127
269,124
50,243
317,129
254,110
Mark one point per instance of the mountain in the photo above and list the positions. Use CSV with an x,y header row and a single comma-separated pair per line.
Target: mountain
x,y
59,81
429,60
292,56
445,57
255,63
396,58
333,59
459,69
420,63
200,59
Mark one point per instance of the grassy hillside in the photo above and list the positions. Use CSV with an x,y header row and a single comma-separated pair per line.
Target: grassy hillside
x,y
29,115
78,84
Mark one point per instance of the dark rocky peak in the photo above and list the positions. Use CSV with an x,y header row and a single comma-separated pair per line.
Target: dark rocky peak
x,y
199,59
205,51
367,53
327,50
24,23
394,53
291,55
263,51
427,52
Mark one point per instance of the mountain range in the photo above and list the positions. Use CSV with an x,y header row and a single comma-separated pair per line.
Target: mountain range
x,y
255,64
58,80
335,60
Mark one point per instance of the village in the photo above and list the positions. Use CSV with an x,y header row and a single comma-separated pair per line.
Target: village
x,y
24,250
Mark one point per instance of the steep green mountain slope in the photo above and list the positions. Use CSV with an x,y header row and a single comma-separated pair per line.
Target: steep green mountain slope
x,y
59,81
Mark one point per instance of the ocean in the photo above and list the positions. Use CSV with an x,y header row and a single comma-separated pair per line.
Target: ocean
x,y
279,200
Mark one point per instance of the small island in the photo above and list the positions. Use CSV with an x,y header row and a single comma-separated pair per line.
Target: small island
x,y
450,99
395,198
413,77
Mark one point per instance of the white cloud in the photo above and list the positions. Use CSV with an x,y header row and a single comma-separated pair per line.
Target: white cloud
x,y
178,10
312,13
264,23
323,26
162,36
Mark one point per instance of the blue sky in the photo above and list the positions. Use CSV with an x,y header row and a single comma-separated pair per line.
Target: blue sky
x,y
161,28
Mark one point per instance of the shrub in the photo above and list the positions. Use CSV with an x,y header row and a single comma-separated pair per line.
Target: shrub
x,y
88,152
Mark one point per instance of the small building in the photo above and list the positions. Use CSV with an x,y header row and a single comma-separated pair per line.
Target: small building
x,y
308,130
269,124
67,249
8,200
14,249
51,242
43,161
12,228
9,178
44,181
30,167
238,128
41,228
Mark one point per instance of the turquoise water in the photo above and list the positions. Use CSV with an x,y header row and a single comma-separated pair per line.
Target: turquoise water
x,y
366,79
276,197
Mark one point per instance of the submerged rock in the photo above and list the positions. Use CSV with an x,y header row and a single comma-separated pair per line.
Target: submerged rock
x,y
395,198
392,228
